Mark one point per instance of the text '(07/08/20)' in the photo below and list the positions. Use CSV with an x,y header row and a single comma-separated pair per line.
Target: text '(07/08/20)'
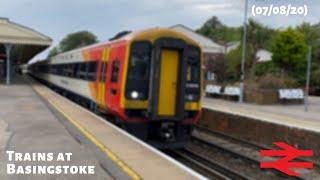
x,y
283,10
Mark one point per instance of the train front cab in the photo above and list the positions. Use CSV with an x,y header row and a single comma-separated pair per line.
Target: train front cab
x,y
162,93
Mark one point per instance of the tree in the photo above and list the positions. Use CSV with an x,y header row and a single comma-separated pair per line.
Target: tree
x,y
73,41
258,37
54,51
312,36
289,50
311,33
219,32
77,40
234,63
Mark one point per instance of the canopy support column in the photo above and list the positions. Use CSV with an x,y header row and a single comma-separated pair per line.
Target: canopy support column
x,y
8,52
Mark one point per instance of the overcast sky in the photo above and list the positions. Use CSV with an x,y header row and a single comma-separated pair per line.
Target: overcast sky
x,y
56,18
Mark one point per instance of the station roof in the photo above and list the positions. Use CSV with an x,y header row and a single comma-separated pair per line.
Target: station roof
x,y
26,41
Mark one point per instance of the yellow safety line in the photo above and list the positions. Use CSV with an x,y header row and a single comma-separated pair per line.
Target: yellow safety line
x,y
130,172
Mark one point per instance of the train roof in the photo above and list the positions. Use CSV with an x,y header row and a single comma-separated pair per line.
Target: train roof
x,y
152,34
137,35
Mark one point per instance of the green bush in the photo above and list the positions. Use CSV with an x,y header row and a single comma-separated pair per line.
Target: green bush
x,y
289,50
265,68
234,63
272,81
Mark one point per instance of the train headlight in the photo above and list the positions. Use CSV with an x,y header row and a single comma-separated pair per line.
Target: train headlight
x,y
189,97
134,94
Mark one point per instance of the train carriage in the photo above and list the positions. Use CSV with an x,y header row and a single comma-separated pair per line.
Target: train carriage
x,y
149,80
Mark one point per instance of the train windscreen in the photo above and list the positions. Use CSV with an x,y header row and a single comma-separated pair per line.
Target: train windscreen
x,y
137,86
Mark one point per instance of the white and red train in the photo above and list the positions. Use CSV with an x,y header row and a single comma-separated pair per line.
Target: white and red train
x,y
150,81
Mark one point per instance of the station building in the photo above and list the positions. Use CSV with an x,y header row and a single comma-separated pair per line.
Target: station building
x,y
18,44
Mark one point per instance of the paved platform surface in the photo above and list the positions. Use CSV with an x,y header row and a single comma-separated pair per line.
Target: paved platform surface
x,y
290,115
132,155
27,125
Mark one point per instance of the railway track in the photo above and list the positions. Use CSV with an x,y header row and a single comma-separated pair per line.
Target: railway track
x,y
242,141
206,166
246,152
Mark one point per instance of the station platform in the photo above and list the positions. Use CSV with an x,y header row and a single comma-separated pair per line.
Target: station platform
x,y
288,115
27,126
265,124
33,118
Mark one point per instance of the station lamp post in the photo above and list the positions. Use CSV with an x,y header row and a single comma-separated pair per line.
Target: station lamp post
x,y
244,44
8,48
308,74
306,96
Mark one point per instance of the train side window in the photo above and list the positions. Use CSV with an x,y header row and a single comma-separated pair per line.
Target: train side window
x,y
193,65
53,69
103,72
75,69
65,70
115,71
92,69
50,71
69,70
64,67
77,74
59,69
82,71
46,69
193,73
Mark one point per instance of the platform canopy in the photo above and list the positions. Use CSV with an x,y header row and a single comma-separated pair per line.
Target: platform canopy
x,y
19,44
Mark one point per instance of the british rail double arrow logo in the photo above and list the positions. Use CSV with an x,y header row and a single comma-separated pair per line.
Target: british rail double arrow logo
x,y
285,164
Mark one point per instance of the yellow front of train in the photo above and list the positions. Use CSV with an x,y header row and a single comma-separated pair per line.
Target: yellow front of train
x,y
163,85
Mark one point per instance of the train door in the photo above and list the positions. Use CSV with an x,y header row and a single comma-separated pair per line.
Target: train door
x,y
168,82
102,78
